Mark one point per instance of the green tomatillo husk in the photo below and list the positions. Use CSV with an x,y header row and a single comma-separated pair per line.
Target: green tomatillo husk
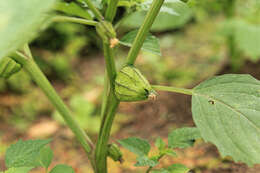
x,y
131,85
8,67
115,153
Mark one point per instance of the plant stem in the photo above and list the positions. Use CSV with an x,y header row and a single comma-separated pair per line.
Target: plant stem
x,y
110,102
74,20
92,7
111,10
103,138
173,89
34,71
141,35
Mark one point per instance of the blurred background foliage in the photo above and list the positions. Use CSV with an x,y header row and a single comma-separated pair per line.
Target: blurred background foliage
x,y
206,36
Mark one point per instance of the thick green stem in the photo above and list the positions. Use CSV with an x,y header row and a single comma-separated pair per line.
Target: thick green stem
x,y
74,20
111,10
173,89
34,71
106,125
92,7
141,35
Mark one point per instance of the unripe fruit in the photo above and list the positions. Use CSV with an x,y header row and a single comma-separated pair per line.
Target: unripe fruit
x,y
131,85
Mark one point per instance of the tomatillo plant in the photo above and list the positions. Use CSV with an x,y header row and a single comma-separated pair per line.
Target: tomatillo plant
x,y
225,108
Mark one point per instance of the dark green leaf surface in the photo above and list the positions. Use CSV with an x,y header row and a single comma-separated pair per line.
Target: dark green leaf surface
x,y
226,110
62,169
24,153
183,137
145,161
45,157
19,21
151,43
136,145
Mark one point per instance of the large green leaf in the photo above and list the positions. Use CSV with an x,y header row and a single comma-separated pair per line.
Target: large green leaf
x,y
45,157
151,43
24,153
136,145
19,21
226,109
165,20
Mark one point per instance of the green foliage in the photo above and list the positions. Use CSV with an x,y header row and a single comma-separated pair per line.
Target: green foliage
x,y
114,152
17,29
183,138
225,109
24,153
136,145
62,169
18,170
84,113
45,157
145,161
165,20
151,43
72,9
246,36
175,168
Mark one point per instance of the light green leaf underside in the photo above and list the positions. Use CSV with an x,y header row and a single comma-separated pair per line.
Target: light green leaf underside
x,y
175,168
226,109
151,43
19,20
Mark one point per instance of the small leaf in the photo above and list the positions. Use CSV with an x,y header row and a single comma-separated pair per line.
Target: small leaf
x,y
62,169
45,157
72,9
24,153
159,143
136,145
184,137
169,152
18,170
226,111
175,168
151,43
145,161
19,21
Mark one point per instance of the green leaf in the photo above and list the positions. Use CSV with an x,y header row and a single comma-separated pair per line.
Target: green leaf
x,y
247,36
62,169
226,111
45,157
175,168
24,153
159,143
145,161
165,20
151,43
183,137
169,152
136,145
19,21
72,9
18,170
